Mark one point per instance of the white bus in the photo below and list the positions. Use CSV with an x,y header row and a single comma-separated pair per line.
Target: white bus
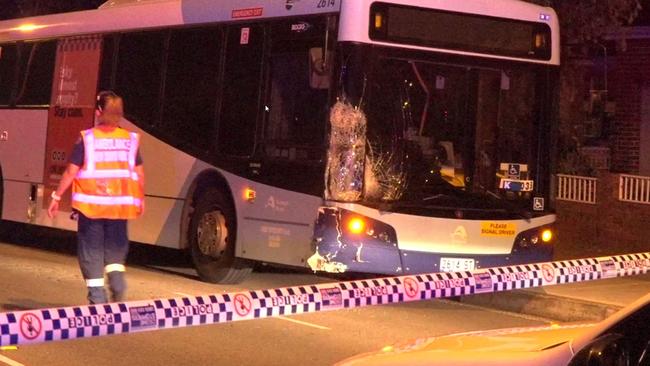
x,y
387,137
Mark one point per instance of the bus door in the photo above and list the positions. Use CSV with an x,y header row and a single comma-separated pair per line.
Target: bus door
x,y
296,106
506,145
487,129
291,149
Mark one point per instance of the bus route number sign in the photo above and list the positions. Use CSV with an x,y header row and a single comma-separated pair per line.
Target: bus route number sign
x,y
325,4
516,185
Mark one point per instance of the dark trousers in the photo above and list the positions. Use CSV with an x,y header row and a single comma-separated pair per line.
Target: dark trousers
x,y
102,245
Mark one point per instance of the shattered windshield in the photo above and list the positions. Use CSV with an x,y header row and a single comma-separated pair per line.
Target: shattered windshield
x,y
443,133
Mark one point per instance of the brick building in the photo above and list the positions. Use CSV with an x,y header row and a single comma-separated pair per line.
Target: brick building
x,y
628,75
616,135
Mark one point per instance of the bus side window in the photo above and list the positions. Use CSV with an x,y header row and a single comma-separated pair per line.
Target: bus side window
x,y
107,64
8,58
138,75
240,102
36,65
191,87
297,100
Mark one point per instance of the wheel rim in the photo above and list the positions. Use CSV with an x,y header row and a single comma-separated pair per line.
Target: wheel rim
x,y
211,234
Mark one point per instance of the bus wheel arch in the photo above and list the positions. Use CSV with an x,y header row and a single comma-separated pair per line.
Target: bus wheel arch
x,y
205,180
210,230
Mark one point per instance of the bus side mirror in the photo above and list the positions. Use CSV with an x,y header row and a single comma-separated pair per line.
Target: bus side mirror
x,y
319,69
607,350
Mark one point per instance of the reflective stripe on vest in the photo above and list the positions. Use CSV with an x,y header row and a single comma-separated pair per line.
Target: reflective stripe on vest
x,y
133,152
107,185
107,173
106,200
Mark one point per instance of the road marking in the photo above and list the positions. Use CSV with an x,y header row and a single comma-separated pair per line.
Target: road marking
x,y
304,323
9,361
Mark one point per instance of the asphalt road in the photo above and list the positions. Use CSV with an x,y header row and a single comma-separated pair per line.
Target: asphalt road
x,y
40,270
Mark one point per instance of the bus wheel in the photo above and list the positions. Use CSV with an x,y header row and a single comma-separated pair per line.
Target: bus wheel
x,y
212,240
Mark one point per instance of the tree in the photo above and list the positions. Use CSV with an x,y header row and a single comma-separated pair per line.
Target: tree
x,y
27,8
583,24
588,20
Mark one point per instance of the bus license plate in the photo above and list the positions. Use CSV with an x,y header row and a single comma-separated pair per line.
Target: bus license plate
x,y
456,264
516,185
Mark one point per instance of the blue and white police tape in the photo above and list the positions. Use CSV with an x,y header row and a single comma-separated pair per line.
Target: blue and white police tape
x,y
45,325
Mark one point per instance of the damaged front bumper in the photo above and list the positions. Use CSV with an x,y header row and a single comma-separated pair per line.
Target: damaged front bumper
x,y
348,242
345,245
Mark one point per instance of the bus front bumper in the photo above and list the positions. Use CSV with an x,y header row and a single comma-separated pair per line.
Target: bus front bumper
x,y
376,251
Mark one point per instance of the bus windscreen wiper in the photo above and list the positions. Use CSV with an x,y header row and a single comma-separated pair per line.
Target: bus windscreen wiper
x,y
507,209
526,215
435,197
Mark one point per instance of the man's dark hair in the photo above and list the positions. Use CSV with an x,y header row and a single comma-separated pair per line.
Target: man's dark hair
x,y
103,97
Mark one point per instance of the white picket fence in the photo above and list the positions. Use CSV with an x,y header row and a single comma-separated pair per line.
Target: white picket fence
x,y
634,188
576,188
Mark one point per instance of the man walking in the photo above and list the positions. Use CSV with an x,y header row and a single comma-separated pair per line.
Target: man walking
x,y
107,178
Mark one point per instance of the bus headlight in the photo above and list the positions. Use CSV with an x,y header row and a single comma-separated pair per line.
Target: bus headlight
x,y
534,237
356,225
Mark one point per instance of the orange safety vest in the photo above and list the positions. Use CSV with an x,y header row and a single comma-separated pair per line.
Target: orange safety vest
x,y
107,187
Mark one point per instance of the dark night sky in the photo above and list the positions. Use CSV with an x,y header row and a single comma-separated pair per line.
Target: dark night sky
x,y
10,8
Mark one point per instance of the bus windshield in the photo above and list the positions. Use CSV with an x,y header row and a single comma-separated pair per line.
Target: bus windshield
x,y
439,133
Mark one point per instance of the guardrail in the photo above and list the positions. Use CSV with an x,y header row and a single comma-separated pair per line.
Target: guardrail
x,y
634,188
576,188
55,324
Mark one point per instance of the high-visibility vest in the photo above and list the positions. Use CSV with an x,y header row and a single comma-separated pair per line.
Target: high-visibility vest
x,y
107,187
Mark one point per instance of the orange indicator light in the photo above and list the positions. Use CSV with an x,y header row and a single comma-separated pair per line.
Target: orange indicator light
x,y
540,40
547,235
379,20
249,195
356,226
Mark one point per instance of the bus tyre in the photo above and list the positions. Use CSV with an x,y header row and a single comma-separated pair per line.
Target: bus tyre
x,y
212,237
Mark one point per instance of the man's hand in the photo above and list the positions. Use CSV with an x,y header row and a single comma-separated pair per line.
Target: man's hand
x,y
68,176
53,209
